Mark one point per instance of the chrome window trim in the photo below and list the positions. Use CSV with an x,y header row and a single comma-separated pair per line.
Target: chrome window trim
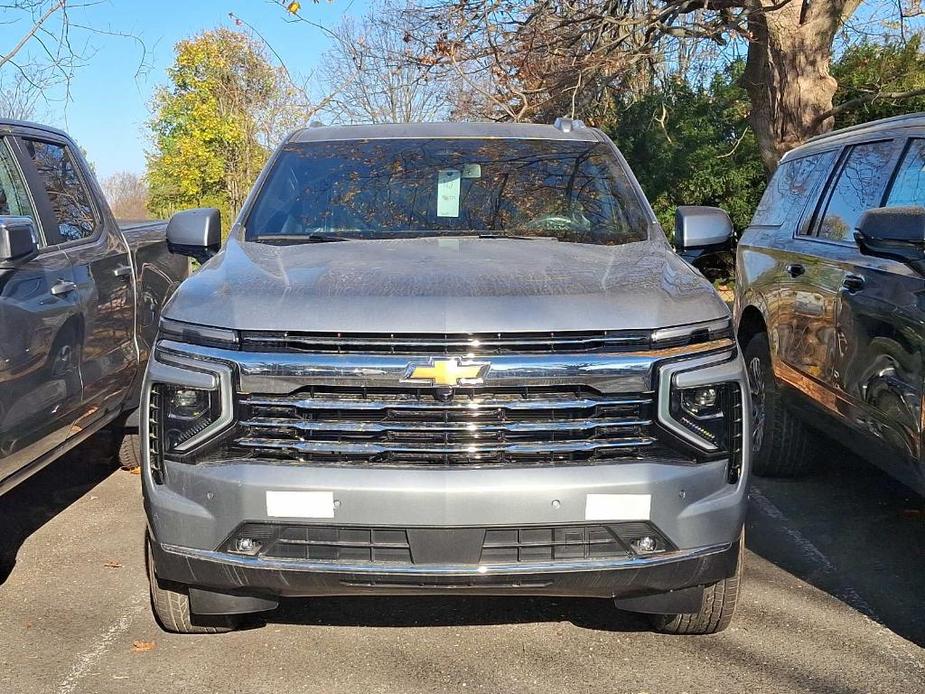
x,y
261,563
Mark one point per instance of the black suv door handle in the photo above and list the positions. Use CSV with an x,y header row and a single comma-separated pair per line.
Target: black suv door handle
x,y
853,283
795,269
122,271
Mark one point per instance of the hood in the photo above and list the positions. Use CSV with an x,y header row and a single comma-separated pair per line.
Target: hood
x,y
445,285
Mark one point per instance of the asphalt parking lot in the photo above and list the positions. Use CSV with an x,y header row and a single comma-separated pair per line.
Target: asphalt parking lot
x,y
834,601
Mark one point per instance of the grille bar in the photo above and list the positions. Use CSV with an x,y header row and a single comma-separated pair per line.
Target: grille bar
x,y
407,401
375,449
474,429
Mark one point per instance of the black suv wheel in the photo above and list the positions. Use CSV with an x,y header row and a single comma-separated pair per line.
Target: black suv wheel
x,y
781,443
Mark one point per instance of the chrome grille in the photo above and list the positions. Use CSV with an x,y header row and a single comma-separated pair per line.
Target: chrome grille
x,y
475,343
476,426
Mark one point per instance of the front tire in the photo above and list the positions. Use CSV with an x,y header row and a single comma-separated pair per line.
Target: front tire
x,y
716,611
170,604
781,442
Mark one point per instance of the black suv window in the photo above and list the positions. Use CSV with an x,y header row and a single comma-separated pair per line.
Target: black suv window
x,y
69,199
397,188
788,193
14,197
858,188
909,186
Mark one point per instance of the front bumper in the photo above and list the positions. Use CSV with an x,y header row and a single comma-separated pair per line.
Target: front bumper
x,y
194,508
224,583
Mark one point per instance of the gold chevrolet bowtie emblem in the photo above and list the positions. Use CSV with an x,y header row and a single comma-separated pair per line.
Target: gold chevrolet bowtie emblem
x,y
447,372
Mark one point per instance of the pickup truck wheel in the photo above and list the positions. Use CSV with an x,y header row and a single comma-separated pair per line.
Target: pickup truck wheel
x,y
130,452
717,610
781,442
170,604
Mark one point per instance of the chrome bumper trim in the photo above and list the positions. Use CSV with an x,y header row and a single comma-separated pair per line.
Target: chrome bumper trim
x,y
444,569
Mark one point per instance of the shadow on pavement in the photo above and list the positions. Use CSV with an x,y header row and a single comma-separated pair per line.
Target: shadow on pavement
x,y
851,531
425,611
43,496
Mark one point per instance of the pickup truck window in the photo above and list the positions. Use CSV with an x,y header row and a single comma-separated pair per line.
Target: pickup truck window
x,y
909,186
394,188
14,197
70,200
859,186
794,182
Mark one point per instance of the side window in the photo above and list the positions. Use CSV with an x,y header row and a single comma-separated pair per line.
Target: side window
x,y
789,191
859,187
14,196
69,198
909,186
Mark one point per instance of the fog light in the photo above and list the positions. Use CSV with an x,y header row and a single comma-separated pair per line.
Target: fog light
x,y
645,545
246,545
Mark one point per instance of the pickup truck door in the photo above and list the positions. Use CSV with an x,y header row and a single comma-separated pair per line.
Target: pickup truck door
x,y
879,359
40,389
102,268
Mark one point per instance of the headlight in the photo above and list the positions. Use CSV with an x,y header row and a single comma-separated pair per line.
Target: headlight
x,y
186,412
706,412
700,404
189,405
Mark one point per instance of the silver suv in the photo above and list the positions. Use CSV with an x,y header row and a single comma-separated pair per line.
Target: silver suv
x,y
447,359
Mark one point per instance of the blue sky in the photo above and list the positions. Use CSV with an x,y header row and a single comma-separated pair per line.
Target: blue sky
x,y
109,102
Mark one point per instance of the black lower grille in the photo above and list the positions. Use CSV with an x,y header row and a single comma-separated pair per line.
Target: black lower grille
x,y
411,546
475,426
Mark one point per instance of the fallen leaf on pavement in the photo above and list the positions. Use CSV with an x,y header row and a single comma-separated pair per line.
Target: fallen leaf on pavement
x,y
113,565
135,471
142,646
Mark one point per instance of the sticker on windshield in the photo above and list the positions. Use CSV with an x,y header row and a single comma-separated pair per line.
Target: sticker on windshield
x,y
472,171
448,192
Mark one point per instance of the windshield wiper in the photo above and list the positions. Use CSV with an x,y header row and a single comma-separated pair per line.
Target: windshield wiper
x,y
299,238
516,237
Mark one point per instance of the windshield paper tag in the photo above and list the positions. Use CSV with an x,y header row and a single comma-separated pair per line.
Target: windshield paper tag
x,y
448,192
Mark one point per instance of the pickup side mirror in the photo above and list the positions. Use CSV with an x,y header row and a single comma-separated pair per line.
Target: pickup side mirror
x,y
701,230
17,241
896,233
195,233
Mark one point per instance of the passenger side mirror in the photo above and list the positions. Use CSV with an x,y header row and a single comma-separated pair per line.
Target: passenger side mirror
x,y
895,233
17,241
195,233
701,230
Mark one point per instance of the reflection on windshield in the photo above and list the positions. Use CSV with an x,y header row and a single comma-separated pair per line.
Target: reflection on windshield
x,y
387,188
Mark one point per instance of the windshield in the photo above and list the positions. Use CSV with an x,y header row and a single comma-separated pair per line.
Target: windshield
x,y
395,188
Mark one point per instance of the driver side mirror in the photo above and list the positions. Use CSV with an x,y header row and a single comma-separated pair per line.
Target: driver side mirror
x,y
195,233
895,233
700,230
17,241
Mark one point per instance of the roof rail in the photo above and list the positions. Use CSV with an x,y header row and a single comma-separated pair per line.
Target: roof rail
x,y
566,125
864,126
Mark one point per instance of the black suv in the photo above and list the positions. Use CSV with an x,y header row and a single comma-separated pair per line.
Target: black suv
x,y
830,300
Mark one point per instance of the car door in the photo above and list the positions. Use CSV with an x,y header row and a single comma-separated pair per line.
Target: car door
x,y
100,260
880,347
40,387
818,268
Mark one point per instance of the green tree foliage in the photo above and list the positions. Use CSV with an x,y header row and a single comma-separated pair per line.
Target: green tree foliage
x,y
691,145
207,123
879,80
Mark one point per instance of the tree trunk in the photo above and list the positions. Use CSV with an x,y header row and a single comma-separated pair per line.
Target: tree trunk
x,y
787,71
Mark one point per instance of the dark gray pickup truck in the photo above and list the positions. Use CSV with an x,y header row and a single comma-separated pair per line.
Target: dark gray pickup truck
x,y
80,299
